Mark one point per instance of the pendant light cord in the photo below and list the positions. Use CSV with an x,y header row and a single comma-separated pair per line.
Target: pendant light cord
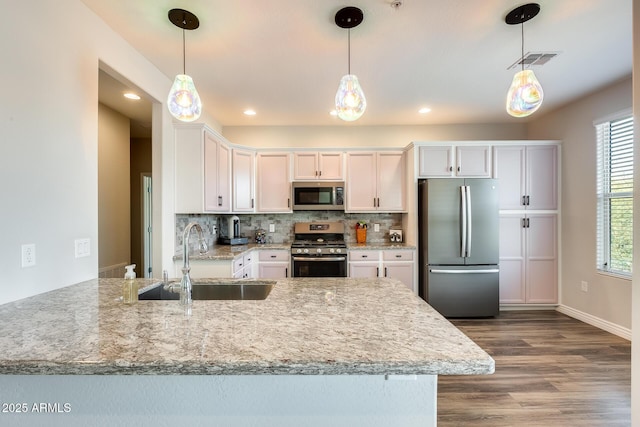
x,y
349,51
522,40
184,55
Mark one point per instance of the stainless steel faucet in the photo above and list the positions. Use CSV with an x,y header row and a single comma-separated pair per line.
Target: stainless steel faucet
x,y
185,283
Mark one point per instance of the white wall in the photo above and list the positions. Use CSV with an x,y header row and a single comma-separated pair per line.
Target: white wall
x,y
223,400
347,135
48,141
609,298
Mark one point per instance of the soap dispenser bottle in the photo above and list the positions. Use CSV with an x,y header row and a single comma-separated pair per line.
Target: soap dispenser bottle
x,y
129,286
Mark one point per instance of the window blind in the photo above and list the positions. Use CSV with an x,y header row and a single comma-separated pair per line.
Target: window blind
x,y
615,195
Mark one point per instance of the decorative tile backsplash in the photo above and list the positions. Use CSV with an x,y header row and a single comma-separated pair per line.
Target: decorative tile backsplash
x,y
284,225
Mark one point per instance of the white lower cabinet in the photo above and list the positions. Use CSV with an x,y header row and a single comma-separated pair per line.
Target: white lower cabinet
x,y
205,268
273,264
243,266
394,263
528,258
267,264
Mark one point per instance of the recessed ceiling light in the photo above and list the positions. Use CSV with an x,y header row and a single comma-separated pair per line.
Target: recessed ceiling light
x,y
249,112
130,95
424,110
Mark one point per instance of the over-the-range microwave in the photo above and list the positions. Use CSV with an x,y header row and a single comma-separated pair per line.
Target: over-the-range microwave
x,y
318,195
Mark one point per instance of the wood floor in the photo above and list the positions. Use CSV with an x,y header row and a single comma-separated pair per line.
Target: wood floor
x,y
551,370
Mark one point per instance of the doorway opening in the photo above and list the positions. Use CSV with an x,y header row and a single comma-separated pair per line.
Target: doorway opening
x,y
147,221
125,202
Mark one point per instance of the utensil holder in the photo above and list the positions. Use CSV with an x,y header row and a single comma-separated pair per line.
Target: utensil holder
x,y
361,235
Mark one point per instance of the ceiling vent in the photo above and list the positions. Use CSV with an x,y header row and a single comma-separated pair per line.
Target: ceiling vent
x,y
533,59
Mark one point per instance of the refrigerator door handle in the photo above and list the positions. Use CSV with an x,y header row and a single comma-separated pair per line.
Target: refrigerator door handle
x,y
463,222
469,221
490,270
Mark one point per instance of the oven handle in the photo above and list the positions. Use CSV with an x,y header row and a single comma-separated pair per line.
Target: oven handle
x,y
316,258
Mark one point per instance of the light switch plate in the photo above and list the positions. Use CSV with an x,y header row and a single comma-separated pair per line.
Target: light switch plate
x,y
272,228
82,247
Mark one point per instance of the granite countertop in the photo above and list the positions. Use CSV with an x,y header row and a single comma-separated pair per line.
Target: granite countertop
x,y
305,326
378,246
230,252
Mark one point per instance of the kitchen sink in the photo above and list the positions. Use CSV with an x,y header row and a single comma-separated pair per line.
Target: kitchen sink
x,y
213,290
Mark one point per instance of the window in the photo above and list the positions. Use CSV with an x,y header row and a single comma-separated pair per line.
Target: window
x,y
615,196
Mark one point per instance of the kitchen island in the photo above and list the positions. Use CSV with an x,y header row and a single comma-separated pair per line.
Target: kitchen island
x,y
327,351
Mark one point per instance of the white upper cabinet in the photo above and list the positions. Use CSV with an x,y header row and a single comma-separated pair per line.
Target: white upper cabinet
x,y
391,181
273,182
436,161
528,176
217,175
318,166
473,161
445,161
375,181
243,180
203,167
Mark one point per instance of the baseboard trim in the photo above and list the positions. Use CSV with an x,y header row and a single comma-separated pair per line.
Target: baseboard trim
x,y
527,307
592,320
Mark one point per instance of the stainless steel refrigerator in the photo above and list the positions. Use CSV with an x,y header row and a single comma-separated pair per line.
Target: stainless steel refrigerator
x,y
458,242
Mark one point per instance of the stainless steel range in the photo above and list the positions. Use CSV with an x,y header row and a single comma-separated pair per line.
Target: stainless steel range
x,y
319,250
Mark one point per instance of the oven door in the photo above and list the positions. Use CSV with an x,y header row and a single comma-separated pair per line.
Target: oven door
x,y
319,266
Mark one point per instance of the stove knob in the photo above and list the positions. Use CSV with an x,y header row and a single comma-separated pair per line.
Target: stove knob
x,y
332,250
339,250
319,250
306,251
299,250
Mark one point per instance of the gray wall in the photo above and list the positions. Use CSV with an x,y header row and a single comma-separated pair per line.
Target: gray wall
x,y
609,297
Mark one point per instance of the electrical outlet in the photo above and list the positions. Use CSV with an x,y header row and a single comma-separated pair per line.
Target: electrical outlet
x,y
82,247
376,227
584,286
272,228
28,255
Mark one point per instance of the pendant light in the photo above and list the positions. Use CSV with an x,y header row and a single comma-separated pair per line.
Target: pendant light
x,y
350,100
525,94
183,100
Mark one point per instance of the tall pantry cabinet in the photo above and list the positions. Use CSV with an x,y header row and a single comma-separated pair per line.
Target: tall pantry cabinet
x,y
528,179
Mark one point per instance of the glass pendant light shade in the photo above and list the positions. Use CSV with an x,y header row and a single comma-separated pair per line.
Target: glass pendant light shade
x,y
183,100
350,100
525,94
